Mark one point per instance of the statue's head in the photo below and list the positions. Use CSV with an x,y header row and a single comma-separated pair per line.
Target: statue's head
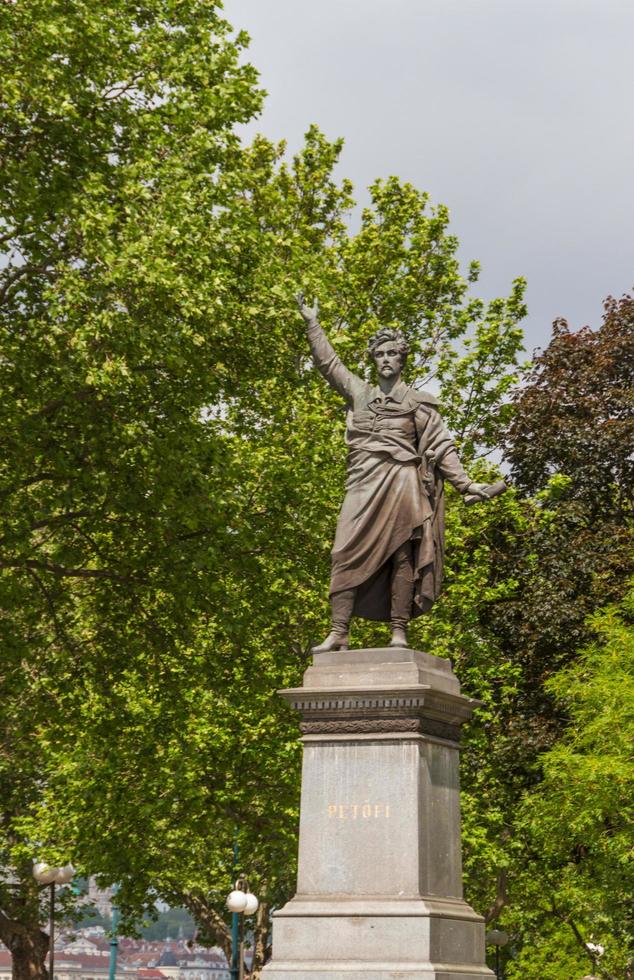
x,y
388,348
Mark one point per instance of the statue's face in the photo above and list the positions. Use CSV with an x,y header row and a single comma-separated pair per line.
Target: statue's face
x,y
388,360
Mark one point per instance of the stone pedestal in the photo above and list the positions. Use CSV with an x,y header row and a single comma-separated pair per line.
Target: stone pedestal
x,y
379,889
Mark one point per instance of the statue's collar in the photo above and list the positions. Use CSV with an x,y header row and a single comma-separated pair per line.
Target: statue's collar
x,y
397,394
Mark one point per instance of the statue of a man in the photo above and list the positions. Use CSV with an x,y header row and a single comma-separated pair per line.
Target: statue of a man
x,y
387,558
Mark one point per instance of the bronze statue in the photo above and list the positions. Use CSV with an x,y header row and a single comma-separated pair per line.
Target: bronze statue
x,y
387,558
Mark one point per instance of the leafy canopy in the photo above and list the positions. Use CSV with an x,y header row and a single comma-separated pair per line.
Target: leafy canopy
x,y
578,823
172,465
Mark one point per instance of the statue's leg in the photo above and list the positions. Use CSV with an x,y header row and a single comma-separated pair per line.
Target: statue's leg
x,y
341,604
402,589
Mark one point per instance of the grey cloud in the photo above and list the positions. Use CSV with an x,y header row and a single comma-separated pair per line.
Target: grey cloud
x,y
514,113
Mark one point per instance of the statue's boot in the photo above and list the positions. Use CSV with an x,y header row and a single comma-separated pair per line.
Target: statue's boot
x,y
342,604
399,636
402,593
334,641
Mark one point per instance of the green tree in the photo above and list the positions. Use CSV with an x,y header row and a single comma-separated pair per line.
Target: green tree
x,y
578,823
569,445
172,464
575,417
204,742
116,126
558,557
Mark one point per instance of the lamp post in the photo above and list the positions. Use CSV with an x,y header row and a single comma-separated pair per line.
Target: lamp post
x,y
241,902
497,938
114,940
45,874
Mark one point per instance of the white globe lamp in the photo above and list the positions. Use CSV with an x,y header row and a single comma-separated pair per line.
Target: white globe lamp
x,y
44,873
65,875
237,901
252,904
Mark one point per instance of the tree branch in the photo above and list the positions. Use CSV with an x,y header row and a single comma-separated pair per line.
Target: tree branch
x,y
62,572
261,948
82,394
11,929
121,88
38,478
12,276
593,957
211,921
501,898
59,519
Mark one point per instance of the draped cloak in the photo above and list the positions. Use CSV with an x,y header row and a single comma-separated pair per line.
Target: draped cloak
x,y
399,454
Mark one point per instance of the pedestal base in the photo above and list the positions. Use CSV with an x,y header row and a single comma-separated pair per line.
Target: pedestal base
x,y
379,879
381,939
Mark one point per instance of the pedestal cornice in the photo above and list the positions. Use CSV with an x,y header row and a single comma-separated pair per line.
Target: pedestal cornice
x,y
416,709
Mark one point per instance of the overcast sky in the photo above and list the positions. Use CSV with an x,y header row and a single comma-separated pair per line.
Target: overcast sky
x,y
516,114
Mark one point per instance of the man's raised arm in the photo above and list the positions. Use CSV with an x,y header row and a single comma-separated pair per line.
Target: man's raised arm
x,y
326,360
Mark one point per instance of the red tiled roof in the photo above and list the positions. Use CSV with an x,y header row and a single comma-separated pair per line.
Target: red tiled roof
x,y
73,959
81,959
85,961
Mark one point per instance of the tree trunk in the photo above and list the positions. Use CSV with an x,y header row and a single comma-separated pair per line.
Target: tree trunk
x,y
210,920
261,949
29,961
501,898
28,948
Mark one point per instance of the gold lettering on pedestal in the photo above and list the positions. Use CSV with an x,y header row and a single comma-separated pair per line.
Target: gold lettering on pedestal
x,y
359,811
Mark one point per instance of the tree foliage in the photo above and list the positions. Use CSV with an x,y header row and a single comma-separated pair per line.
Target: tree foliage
x,y
568,446
578,822
172,464
562,557
117,125
575,416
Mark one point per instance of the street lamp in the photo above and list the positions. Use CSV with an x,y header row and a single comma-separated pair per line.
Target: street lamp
x,y
240,902
497,938
114,938
45,874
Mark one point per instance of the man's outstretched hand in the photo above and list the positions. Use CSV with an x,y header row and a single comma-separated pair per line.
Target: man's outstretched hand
x,y
477,492
309,313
